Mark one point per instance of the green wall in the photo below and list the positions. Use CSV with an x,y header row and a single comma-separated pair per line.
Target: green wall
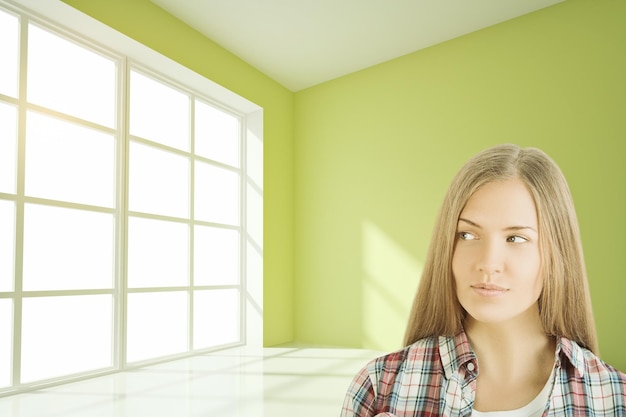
x,y
376,150
152,26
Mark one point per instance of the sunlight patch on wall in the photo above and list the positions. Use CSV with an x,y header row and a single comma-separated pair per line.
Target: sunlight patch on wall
x,y
391,277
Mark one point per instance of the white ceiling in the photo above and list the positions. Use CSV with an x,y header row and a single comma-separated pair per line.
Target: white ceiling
x,y
301,43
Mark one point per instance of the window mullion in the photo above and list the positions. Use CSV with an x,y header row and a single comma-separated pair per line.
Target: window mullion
x,y
121,283
192,176
19,204
243,210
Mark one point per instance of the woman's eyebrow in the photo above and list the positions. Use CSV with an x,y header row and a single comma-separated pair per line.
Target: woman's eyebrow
x,y
469,222
513,228
510,228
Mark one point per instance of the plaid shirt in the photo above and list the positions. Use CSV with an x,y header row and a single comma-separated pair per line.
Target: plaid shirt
x,y
436,376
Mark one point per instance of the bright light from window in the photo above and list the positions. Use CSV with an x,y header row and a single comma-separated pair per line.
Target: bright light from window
x,y
69,78
158,112
209,304
66,335
159,181
7,244
157,324
6,341
67,249
117,184
9,47
8,147
158,253
216,194
216,256
68,162
216,134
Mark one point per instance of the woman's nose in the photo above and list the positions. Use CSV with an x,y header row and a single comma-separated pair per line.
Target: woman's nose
x,y
490,269
491,259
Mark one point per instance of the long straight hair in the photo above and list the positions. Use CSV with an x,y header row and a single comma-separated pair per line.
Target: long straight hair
x,y
564,303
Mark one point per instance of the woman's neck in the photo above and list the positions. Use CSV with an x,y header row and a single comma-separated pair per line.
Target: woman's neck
x,y
515,359
507,348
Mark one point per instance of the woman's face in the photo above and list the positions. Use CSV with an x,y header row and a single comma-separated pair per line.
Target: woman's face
x,y
496,261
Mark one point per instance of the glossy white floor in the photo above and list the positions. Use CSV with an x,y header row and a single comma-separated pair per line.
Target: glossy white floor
x,y
276,382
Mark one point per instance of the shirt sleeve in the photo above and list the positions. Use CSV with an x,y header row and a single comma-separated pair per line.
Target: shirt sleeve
x,y
360,399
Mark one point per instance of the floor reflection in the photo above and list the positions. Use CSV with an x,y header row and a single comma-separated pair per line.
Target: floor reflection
x,y
242,382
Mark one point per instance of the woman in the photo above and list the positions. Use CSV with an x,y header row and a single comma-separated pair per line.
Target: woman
x,y
501,324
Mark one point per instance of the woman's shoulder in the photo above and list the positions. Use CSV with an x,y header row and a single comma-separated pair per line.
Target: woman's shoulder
x,y
423,352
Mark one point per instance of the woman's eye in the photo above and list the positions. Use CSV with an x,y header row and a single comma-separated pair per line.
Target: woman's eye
x,y
516,239
466,236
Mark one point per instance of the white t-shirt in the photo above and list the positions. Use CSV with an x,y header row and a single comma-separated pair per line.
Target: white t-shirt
x,y
534,408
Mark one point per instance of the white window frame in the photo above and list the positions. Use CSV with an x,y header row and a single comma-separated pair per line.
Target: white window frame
x,y
69,22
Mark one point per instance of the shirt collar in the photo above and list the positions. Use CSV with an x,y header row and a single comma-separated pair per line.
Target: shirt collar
x,y
568,349
456,352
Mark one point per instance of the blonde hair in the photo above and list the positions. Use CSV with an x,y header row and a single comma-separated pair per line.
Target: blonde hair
x,y
564,303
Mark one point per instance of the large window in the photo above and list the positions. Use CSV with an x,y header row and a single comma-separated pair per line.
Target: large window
x,y
123,210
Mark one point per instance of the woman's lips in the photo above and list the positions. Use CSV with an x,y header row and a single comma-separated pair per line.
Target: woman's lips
x,y
489,290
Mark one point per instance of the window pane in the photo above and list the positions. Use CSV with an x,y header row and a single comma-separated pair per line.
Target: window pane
x,y
68,162
8,147
67,249
66,335
6,341
159,181
7,244
158,112
69,78
158,253
9,53
216,318
157,325
216,194
216,134
216,256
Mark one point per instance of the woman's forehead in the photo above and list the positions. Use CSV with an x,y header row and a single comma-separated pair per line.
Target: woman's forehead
x,y
506,203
